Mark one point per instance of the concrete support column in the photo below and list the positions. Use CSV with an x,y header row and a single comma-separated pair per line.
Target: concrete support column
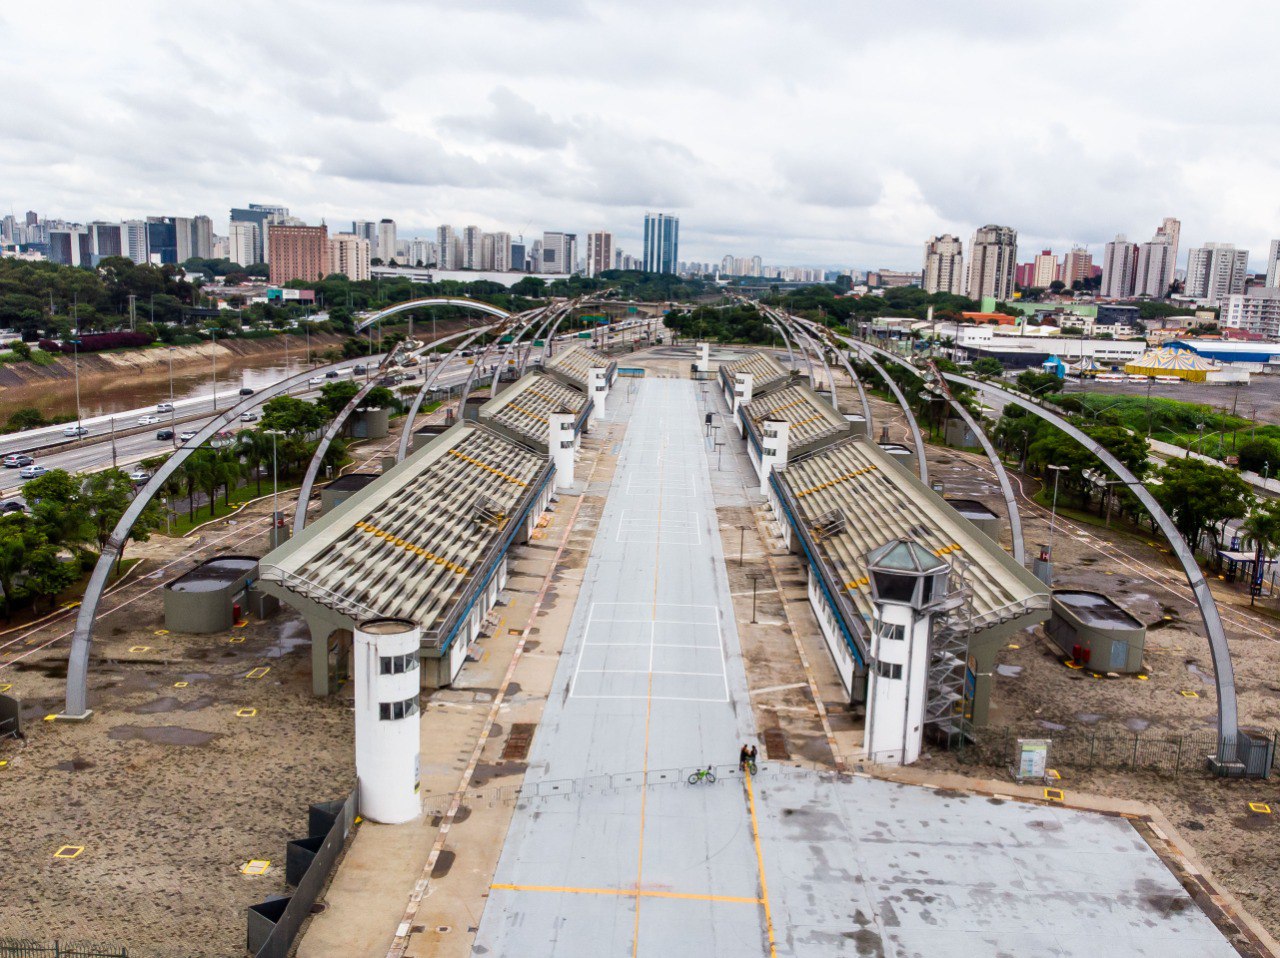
x,y
598,390
561,446
388,727
704,357
774,447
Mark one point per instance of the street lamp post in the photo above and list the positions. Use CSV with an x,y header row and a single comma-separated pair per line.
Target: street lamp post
x,y
75,361
213,360
1053,509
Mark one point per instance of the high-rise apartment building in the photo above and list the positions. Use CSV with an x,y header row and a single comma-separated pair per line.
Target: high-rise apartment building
x,y
1044,269
386,240
1273,265
349,255
70,246
1155,266
243,243
366,229
472,240
162,240
445,248
943,265
1257,311
993,253
518,255
661,242
1216,271
487,252
183,238
1171,228
599,252
1077,266
298,252
501,252
262,216
1119,266
421,253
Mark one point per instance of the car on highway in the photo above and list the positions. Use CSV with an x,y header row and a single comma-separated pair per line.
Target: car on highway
x,y
164,407
246,391
248,417
164,434
13,505
75,431
359,370
315,381
139,476
17,460
148,420
32,472
331,374
188,435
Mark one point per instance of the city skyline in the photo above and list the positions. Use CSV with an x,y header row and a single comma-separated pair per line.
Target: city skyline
x,y
504,141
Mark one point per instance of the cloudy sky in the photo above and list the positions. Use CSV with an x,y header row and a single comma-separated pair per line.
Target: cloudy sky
x,y
832,132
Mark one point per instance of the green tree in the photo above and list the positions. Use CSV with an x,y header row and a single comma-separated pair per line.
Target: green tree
x,y
19,539
49,574
988,366
1260,455
291,415
25,418
58,509
1200,497
107,494
1262,529
254,447
335,395
1037,383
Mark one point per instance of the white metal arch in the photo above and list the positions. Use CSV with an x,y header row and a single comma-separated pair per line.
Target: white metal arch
x,y
431,301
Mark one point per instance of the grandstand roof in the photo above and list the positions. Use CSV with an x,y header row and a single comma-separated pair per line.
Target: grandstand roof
x,y
851,500
524,407
764,370
575,363
411,544
811,417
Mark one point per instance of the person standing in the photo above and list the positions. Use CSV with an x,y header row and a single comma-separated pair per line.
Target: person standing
x,y
743,756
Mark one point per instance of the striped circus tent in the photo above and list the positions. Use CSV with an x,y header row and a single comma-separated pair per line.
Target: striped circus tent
x,y
1172,362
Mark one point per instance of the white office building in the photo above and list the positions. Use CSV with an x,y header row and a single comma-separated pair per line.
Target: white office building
x,y
242,243
1155,265
501,252
447,248
386,240
350,255
993,255
472,242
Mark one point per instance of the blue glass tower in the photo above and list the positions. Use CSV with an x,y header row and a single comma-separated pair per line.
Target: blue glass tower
x,y
661,242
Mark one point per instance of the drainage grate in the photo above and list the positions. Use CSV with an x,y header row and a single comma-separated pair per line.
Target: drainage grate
x,y
775,744
517,747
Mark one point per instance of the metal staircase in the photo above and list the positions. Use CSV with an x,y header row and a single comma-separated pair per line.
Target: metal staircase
x,y
946,717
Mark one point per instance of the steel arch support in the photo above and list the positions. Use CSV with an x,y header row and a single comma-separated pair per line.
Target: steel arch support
x,y
916,436
77,697
431,301
1219,650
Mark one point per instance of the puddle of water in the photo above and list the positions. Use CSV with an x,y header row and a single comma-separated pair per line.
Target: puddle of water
x,y
1052,726
1200,673
167,703
1136,724
293,635
161,735
1088,718
1012,671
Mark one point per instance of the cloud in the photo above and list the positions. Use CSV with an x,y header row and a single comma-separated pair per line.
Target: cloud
x,y
513,120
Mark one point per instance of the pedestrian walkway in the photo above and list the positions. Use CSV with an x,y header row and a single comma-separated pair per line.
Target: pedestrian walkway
x,y
651,679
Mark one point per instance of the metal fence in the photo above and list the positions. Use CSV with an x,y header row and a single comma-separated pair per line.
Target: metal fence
x,y
1157,752
16,948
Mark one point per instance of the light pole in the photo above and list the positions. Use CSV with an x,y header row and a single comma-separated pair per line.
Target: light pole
x,y
75,361
1053,509
275,488
213,360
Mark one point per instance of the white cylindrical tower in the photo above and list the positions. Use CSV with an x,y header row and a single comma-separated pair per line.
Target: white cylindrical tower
x,y
774,448
599,391
387,684
908,582
561,446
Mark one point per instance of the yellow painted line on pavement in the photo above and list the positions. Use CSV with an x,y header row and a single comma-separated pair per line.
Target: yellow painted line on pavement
x,y
764,883
628,893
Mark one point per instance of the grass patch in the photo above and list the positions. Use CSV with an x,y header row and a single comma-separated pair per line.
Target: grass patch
x,y
26,614
184,522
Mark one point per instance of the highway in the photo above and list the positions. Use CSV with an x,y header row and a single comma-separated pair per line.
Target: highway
x,y
98,452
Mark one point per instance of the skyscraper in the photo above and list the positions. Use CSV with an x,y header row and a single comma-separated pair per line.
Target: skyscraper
x,y
661,242
472,243
243,243
133,240
1155,267
263,216
1215,271
298,252
943,265
993,253
107,240
349,255
501,252
1077,266
162,239
1171,228
386,240
445,258
559,252
1119,265
183,238
599,252
202,236
70,246
1273,264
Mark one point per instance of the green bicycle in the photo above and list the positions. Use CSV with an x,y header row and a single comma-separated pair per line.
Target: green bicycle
x,y
703,775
